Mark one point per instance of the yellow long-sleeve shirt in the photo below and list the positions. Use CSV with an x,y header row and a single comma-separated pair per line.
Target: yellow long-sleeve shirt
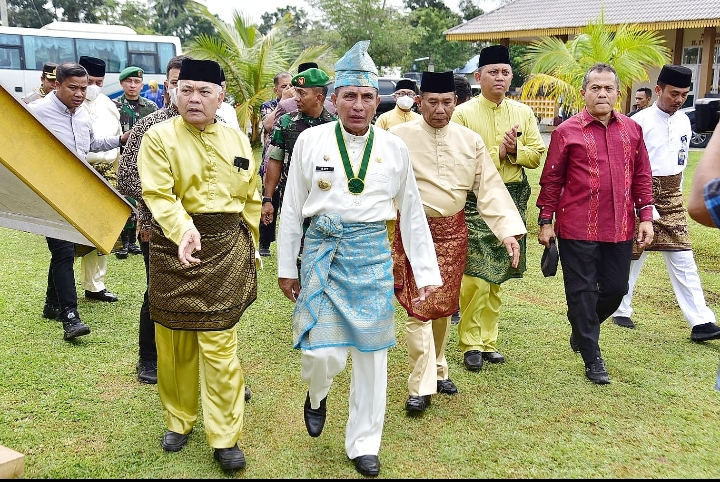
x,y
491,121
186,171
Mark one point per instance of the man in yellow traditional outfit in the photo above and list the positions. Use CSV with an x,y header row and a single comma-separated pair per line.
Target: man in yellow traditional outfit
x,y
435,146
199,180
405,92
513,139
347,176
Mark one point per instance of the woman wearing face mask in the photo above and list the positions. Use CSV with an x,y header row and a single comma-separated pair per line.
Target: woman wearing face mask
x,y
405,92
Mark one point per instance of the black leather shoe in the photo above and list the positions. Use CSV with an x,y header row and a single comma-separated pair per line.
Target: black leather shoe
x,y
173,441
623,321
147,371
50,312
473,360
134,248
314,417
706,331
73,326
264,251
455,318
596,372
121,253
102,295
417,404
230,459
367,465
493,357
447,387
248,393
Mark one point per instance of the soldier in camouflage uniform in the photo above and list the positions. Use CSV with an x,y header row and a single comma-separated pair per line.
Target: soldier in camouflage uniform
x,y
310,92
132,107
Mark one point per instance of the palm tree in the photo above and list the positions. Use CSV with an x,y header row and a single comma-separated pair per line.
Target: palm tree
x,y
556,68
250,60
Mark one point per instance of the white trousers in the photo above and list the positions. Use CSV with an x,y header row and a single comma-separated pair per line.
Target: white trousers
x,y
368,392
93,267
685,282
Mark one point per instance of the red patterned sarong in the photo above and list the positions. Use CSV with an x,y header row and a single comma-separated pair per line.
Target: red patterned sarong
x,y
450,237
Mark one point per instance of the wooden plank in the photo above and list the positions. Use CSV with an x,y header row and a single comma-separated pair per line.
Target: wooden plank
x,y
12,463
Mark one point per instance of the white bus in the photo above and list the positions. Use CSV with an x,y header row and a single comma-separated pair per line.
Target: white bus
x,y
23,51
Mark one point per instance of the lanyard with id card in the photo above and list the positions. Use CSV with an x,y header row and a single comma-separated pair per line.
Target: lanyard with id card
x,y
682,153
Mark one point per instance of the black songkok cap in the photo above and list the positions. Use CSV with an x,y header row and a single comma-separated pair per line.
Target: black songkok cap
x,y
675,75
494,54
407,84
438,82
200,70
307,65
95,67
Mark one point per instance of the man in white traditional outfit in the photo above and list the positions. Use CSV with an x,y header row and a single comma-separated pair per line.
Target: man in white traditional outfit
x,y
105,121
667,135
435,144
346,175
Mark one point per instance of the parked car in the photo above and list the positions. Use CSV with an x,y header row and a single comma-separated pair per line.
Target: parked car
x,y
698,139
386,87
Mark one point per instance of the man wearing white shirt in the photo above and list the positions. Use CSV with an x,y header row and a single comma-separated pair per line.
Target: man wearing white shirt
x,y
346,176
105,121
667,135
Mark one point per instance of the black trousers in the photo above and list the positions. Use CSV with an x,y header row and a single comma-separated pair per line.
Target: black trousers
x,y
595,276
146,332
61,290
267,232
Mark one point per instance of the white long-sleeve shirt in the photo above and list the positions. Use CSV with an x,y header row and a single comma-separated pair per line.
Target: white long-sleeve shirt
x,y
389,179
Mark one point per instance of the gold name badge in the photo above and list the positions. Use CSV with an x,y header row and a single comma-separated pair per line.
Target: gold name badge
x,y
324,184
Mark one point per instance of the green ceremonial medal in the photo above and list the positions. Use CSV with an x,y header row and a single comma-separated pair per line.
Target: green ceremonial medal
x,y
356,184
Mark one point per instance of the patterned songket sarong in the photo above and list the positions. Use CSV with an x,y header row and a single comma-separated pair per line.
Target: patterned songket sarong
x,y
347,287
671,230
487,256
213,294
449,236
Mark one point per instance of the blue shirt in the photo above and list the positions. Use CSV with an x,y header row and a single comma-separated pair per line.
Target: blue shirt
x,y
711,193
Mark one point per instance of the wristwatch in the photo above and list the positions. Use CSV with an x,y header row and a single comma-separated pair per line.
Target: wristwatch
x,y
542,221
266,200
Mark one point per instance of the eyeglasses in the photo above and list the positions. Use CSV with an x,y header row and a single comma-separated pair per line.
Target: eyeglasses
x,y
402,93
495,72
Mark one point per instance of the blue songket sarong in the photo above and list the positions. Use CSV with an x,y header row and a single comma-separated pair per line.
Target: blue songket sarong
x,y
347,287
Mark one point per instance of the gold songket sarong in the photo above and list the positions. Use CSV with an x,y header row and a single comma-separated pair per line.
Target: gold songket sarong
x,y
671,230
450,237
212,294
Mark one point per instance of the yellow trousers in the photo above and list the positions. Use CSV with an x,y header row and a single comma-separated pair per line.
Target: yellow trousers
x,y
208,358
426,342
480,303
391,230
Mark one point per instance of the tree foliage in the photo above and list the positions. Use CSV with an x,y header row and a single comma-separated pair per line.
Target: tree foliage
x,y
179,18
557,68
429,41
469,9
27,13
386,27
251,60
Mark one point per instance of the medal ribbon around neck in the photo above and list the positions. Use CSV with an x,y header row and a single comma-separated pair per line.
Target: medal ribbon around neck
x,y
356,184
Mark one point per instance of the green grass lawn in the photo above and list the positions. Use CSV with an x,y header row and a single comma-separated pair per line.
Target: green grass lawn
x,y
76,409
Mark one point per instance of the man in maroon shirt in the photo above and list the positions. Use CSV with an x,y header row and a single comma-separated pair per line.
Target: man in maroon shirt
x,y
596,177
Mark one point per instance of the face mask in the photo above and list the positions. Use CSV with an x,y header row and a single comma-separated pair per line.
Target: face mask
x,y
405,102
92,92
173,96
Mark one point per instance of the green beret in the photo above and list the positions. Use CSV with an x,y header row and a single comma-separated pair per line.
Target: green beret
x,y
131,72
310,78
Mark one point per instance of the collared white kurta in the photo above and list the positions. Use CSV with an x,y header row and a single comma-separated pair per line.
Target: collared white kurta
x,y
389,178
